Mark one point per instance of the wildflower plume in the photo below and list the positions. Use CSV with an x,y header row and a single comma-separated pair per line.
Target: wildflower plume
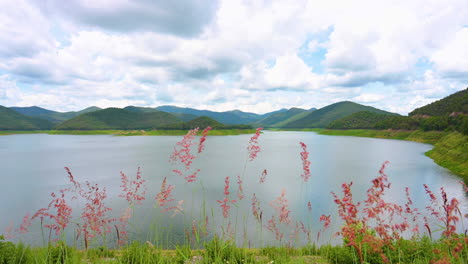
x,y
165,196
256,211
201,145
305,162
133,190
226,201
281,206
240,189
182,149
253,147
263,176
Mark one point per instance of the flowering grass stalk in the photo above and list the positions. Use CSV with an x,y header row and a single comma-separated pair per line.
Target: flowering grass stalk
x,y
305,163
224,204
133,191
254,147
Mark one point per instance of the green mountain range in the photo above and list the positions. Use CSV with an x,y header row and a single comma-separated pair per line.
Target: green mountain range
x,y
447,113
359,120
233,117
280,118
12,120
454,103
115,118
324,116
53,116
181,116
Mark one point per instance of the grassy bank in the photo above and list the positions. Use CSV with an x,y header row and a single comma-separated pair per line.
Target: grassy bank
x,y
217,251
450,148
215,132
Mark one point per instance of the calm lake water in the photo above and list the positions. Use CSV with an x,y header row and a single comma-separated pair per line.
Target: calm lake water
x,y
32,166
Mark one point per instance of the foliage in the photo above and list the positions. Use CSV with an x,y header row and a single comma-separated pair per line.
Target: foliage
x,y
324,116
273,120
12,120
399,123
137,253
452,152
11,253
359,120
457,102
52,116
234,117
219,251
115,118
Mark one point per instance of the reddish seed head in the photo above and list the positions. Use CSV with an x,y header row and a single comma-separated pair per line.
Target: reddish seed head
x,y
253,147
305,162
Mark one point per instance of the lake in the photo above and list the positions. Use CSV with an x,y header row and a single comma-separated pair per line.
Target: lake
x,y
32,166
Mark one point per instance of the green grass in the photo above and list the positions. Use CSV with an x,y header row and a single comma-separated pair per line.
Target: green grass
x,y
215,132
423,250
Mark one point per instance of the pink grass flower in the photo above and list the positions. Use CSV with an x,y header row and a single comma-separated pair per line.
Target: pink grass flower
x,y
281,206
305,162
201,145
192,177
326,219
165,196
25,224
263,176
133,190
240,189
224,204
96,222
253,147
256,211
272,226
58,211
182,150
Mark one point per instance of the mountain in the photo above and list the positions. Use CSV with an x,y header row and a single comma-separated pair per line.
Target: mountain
x,y
233,117
278,117
359,120
181,116
53,116
324,116
457,102
116,118
12,120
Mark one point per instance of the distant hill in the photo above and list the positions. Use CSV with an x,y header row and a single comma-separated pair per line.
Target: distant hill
x,y
201,122
359,120
457,102
12,120
277,118
116,118
181,116
233,117
324,116
53,116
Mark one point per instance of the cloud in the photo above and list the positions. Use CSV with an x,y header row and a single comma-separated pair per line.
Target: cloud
x,y
452,59
227,54
369,98
24,31
185,18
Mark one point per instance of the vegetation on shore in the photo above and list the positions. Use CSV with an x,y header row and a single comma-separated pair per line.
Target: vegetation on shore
x,y
160,132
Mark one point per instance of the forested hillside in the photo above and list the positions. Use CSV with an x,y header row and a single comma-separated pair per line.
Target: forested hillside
x,y
455,103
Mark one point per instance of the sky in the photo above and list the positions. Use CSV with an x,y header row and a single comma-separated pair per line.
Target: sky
x,y
255,56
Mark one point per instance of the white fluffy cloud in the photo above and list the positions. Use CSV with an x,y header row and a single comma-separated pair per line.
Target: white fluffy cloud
x,y
221,55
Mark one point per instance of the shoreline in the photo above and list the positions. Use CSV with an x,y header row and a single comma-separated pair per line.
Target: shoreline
x,y
214,132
